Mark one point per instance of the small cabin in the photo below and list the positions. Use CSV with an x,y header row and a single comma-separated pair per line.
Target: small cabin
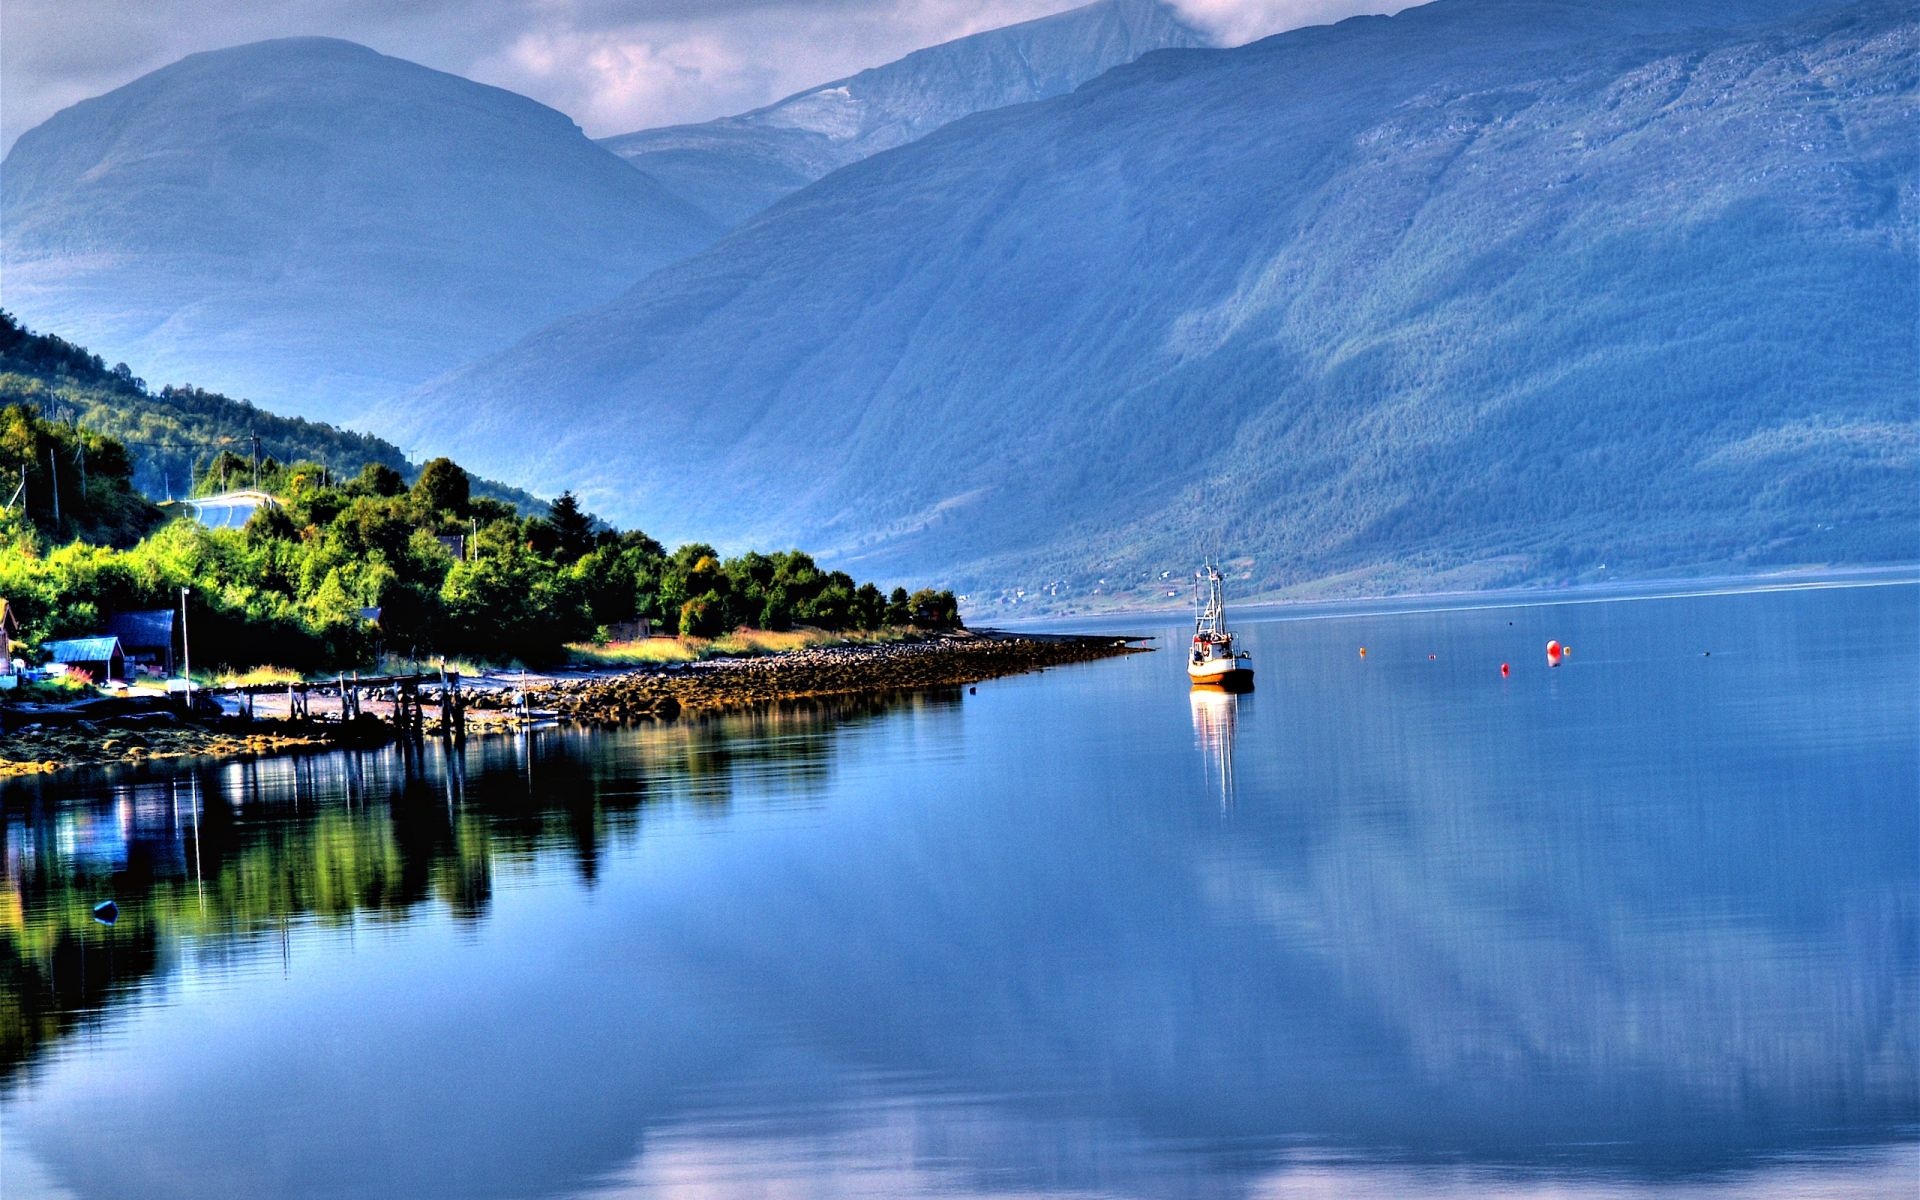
x,y
147,638
9,636
100,657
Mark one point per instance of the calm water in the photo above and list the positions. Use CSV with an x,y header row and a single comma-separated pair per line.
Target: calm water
x,y
1645,925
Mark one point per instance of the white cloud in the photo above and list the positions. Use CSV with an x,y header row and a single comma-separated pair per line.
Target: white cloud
x,y
612,65
616,75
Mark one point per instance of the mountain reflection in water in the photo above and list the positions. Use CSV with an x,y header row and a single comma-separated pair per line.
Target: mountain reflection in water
x,y
1645,923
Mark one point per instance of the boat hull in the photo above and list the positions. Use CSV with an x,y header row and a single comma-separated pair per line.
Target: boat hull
x,y
1226,674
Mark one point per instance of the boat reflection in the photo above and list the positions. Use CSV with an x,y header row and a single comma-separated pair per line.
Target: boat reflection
x,y
1216,717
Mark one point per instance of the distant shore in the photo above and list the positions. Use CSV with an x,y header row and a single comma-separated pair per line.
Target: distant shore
x,y
1269,605
498,702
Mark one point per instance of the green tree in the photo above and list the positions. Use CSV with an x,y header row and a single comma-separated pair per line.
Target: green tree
x,y
379,479
443,490
572,528
929,609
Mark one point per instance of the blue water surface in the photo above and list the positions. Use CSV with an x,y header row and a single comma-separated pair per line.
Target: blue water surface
x,y
1644,924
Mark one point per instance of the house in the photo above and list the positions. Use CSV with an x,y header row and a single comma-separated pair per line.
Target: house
x,y
9,642
630,631
454,544
147,637
100,657
9,636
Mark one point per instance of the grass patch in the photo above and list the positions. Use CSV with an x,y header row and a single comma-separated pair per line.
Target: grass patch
x,y
254,677
54,690
741,643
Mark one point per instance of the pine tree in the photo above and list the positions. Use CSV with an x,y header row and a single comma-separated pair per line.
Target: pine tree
x,y
573,526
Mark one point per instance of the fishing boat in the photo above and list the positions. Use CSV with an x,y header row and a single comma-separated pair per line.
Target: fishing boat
x,y
1212,661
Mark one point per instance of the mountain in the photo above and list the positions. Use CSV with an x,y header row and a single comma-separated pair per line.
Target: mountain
x,y
734,167
1490,291
314,222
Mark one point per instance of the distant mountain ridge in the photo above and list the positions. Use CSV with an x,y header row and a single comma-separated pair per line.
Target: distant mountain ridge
x,y
311,222
733,167
1490,291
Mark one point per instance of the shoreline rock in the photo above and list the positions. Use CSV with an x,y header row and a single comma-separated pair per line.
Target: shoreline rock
x,y
728,683
644,693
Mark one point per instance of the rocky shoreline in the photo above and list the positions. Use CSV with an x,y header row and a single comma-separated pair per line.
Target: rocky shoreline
x,y
36,750
727,683
646,693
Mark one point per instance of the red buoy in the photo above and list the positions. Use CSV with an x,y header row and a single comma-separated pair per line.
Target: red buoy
x,y
1505,670
1553,654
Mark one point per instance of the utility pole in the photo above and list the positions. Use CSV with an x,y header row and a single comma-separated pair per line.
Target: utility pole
x,y
256,459
53,466
186,657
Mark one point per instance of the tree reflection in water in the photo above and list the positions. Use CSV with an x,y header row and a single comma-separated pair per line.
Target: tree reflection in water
x,y
225,854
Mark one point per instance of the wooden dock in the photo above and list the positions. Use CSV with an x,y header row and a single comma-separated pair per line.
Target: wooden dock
x,y
409,696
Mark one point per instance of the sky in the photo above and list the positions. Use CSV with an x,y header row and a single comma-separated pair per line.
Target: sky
x,y
614,66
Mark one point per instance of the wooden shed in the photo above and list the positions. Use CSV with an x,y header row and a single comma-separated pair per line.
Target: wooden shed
x,y
100,657
147,637
9,636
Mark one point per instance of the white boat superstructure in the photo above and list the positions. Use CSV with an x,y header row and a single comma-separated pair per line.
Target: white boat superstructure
x,y
1212,660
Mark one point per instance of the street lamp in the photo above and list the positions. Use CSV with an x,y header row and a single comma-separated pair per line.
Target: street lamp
x,y
186,658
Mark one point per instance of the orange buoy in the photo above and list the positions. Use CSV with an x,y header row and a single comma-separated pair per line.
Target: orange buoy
x,y
1505,670
1553,654
1363,652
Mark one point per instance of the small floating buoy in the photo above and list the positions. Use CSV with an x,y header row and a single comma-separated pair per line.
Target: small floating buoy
x,y
1553,654
973,691
1505,670
1706,654
106,912
1433,657
1363,652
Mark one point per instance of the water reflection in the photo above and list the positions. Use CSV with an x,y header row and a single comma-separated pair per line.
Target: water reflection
x,y
1648,924
231,851
1216,716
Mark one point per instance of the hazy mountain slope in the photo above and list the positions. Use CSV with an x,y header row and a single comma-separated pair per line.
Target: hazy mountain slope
x,y
734,167
1489,290
313,222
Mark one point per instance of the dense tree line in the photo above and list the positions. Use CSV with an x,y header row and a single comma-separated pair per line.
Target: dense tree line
x,y
67,482
341,568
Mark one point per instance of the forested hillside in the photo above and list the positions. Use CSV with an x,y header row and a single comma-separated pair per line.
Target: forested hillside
x,y
1490,291
170,434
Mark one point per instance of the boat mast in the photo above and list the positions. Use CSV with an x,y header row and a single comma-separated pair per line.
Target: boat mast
x,y
1211,622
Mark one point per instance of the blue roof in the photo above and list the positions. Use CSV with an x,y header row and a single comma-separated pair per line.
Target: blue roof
x,y
143,629
83,650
